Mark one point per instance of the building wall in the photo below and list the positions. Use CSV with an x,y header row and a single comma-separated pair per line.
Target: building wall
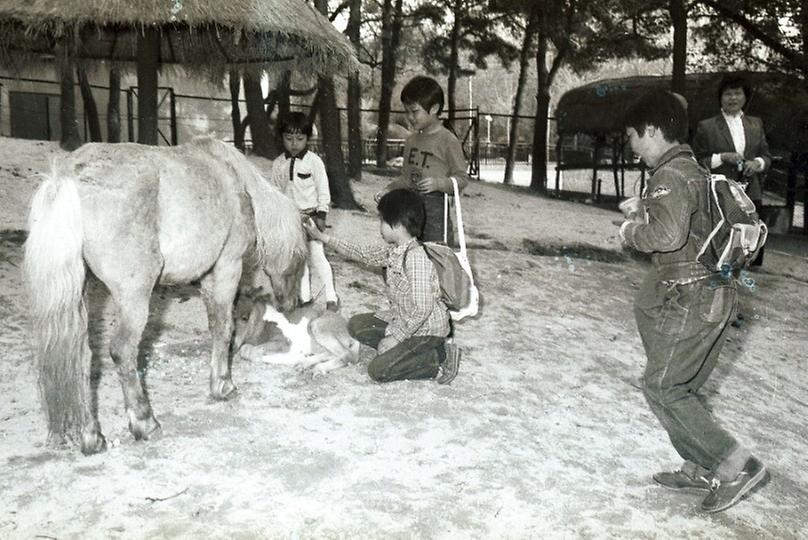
x,y
207,114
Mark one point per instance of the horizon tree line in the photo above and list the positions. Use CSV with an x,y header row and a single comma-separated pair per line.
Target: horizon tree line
x,y
454,38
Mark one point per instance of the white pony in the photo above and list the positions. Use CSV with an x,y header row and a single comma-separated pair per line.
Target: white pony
x,y
137,215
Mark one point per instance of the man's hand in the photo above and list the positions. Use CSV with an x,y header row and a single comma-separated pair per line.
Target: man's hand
x,y
386,343
731,157
314,232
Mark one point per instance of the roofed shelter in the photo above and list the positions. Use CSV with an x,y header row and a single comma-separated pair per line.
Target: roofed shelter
x,y
596,110
207,36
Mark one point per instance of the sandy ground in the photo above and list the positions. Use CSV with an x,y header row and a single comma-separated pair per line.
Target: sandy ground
x,y
544,434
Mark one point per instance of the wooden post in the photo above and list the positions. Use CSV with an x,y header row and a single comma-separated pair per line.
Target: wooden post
x,y
173,116
148,58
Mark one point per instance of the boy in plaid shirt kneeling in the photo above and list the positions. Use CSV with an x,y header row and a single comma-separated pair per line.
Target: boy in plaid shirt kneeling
x,y
411,336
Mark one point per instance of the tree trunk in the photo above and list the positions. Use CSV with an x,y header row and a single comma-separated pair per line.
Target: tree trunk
x,y
114,107
331,137
391,36
678,13
148,59
284,93
538,180
524,60
803,25
90,108
354,98
234,81
263,143
70,138
454,55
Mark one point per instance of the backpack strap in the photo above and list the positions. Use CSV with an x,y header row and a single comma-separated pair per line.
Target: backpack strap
x,y
461,236
404,257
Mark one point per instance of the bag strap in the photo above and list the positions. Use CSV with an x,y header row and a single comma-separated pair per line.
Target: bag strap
x,y
446,218
461,236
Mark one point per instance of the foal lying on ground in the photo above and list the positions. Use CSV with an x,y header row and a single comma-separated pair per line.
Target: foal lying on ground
x,y
318,340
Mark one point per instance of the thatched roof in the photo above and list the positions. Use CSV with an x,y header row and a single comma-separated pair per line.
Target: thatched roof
x,y
200,33
598,107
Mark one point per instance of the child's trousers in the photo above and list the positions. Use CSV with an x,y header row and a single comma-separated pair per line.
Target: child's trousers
x,y
417,357
683,328
320,265
434,230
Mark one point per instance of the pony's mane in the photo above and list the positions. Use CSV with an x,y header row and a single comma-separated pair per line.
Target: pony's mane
x,y
279,235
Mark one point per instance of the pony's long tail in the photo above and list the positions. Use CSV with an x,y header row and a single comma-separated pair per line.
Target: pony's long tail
x,y
54,268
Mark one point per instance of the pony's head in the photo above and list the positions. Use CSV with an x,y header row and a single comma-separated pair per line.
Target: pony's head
x,y
286,284
277,261
248,318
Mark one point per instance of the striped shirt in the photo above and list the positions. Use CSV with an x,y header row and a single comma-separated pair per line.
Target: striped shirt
x,y
413,292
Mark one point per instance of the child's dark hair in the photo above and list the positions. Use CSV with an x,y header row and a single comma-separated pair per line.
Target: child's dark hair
x,y
295,122
425,91
732,82
405,207
661,109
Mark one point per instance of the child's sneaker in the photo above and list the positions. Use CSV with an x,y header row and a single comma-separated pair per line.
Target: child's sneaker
x,y
448,370
332,305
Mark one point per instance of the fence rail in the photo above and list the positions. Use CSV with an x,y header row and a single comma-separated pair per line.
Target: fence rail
x,y
577,165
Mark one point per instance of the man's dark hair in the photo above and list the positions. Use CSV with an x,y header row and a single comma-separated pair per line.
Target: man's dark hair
x,y
405,207
732,82
295,122
661,109
425,91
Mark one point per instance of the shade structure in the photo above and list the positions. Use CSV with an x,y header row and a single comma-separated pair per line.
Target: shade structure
x,y
210,35
598,108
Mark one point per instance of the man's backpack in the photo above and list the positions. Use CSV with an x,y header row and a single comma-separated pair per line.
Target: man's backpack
x,y
737,232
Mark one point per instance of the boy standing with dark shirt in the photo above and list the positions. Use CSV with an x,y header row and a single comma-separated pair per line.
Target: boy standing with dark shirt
x,y
682,309
432,156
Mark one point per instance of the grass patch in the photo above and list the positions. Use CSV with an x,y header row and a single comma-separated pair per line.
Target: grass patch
x,y
578,251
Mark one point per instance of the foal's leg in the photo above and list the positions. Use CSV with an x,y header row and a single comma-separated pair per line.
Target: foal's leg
x,y
219,288
133,307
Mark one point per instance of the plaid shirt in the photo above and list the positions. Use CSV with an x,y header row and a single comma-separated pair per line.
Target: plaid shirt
x,y
413,292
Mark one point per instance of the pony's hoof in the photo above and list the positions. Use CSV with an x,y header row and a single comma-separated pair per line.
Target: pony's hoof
x,y
92,443
147,429
56,441
223,389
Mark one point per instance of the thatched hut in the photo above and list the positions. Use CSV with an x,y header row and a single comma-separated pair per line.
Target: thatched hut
x,y
595,112
202,33
205,36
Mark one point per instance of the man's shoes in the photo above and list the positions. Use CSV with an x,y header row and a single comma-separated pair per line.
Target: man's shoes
x,y
727,493
332,306
451,365
680,480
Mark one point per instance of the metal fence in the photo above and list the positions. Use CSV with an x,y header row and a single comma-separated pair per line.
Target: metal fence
x,y
577,165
